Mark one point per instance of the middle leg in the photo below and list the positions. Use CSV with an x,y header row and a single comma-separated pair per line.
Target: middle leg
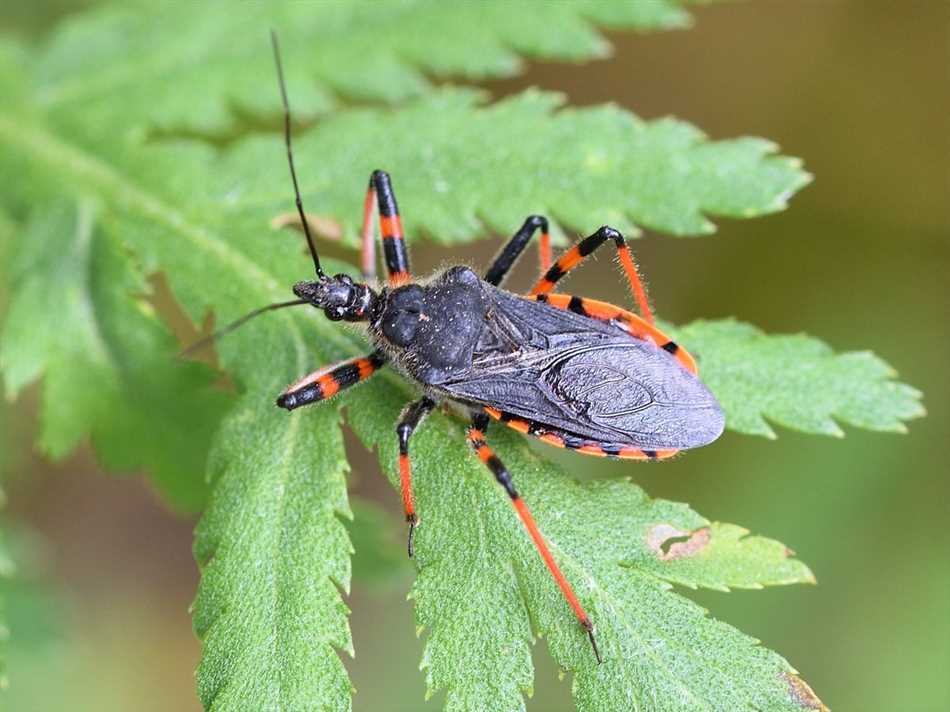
x,y
476,437
411,416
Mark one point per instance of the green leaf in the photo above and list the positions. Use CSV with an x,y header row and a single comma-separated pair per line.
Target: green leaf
x,y
483,594
358,50
718,556
493,165
34,614
106,361
796,381
272,548
272,552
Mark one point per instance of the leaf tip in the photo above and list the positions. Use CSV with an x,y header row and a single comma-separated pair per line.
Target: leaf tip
x,y
801,693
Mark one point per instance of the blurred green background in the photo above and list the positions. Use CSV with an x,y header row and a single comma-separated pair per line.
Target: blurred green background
x,y
861,259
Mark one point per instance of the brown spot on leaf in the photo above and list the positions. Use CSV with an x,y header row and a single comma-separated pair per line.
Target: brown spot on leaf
x,y
670,543
320,226
802,694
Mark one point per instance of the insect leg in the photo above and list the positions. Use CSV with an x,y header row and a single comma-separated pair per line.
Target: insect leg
x,y
411,416
509,255
369,238
476,437
390,225
574,256
330,380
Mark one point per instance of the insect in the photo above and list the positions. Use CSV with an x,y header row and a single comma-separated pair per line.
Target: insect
x,y
573,372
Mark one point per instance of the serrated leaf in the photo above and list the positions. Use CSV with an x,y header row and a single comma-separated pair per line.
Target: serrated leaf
x,y
482,593
494,164
105,359
272,547
272,552
796,381
362,50
718,556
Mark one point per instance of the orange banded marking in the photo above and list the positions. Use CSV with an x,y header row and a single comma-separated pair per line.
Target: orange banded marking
x,y
525,515
522,426
628,321
366,368
397,279
503,477
519,424
592,449
327,382
570,259
636,286
586,447
329,386
390,226
635,453
405,486
544,251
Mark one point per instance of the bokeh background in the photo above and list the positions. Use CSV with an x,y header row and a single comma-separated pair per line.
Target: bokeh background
x,y
861,259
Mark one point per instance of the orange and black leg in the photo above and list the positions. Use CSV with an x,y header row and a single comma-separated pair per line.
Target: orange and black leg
x,y
574,256
476,437
512,251
368,252
396,256
330,380
411,416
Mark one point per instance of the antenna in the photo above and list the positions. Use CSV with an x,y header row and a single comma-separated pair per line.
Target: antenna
x,y
290,157
206,341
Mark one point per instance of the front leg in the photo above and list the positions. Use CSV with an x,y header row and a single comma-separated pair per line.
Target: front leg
x,y
330,380
515,246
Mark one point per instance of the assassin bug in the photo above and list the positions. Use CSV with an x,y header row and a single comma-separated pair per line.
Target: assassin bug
x,y
573,372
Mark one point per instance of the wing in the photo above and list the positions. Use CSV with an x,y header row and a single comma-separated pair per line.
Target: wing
x,y
585,377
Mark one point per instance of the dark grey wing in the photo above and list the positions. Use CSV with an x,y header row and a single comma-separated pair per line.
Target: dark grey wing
x,y
587,378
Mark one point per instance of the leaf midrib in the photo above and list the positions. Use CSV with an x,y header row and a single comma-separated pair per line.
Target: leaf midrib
x,y
89,170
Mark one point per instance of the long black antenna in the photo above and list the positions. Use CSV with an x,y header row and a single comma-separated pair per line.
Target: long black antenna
x,y
201,343
290,156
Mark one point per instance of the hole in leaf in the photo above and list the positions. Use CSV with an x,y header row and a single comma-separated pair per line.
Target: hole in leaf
x,y
670,543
